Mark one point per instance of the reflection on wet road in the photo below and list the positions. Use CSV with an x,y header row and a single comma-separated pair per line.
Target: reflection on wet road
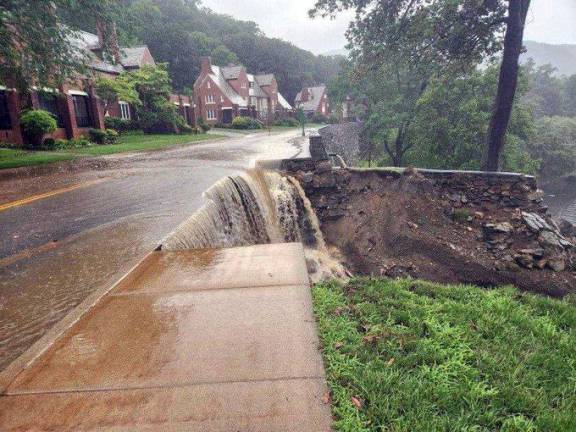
x,y
55,251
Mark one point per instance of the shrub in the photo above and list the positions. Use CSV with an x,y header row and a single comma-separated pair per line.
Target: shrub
x,y
120,125
35,124
79,142
203,125
48,144
333,119
97,135
185,129
111,136
319,118
287,122
245,123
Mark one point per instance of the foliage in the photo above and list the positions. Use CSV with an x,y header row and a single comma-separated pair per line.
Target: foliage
x,y
549,95
111,91
36,46
35,124
205,127
156,114
14,158
97,136
319,118
399,47
414,356
245,123
554,145
120,125
450,126
287,122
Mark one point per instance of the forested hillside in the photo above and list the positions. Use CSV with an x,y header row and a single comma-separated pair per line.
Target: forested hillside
x,y
179,32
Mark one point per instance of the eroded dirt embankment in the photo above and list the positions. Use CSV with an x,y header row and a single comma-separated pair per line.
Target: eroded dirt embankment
x,y
488,230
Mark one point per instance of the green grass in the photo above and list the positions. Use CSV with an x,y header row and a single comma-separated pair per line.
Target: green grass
x,y
130,142
11,158
426,357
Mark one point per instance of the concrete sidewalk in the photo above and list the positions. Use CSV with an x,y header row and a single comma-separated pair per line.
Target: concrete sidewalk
x,y
213,340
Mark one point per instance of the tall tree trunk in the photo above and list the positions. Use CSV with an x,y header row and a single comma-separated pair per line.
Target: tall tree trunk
x,y
508,81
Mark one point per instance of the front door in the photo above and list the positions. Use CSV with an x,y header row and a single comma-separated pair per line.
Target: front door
x,y
227,116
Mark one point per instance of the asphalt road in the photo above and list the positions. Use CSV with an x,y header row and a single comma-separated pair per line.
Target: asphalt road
x,y
57,250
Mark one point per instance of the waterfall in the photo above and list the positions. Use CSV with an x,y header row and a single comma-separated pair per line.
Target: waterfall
x,y
257,207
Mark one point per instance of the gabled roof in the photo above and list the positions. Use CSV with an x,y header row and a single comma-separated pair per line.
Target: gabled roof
x,y
315,98
218,78
255,89
283,102
264,80
231,72
133,57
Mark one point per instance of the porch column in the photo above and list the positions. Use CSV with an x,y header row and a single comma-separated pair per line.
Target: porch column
x,y
14,109
66,105
97,109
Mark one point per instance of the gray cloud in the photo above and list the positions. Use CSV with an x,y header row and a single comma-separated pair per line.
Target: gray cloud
x,y
552,21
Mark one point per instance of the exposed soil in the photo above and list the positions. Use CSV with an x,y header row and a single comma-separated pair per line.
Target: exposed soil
x,y
408,225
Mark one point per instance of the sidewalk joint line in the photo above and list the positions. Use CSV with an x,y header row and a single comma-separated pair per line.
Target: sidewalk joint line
x,y
158,387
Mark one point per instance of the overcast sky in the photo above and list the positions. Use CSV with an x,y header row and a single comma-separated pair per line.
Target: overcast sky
x,y
552,21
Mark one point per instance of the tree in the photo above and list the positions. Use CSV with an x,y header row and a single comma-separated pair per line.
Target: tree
x,y
155,112
36,45
420,40
504,102
111,91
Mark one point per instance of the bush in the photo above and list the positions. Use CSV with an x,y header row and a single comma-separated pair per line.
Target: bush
x,y
35,124
97,135
111,136
203,125
245,123
78,142
48,144
287,122
120,125
319,118
186,129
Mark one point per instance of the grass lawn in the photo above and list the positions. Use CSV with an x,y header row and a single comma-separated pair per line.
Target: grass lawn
x,y
11,158
415,356
130,142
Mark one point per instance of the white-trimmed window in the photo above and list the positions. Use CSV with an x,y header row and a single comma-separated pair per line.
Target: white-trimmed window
x,y
211,115
207,84
221,98
209,99
124,110
243,85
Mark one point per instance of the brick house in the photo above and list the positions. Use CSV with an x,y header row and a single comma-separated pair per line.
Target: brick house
x,y
223,93
75,104
313,101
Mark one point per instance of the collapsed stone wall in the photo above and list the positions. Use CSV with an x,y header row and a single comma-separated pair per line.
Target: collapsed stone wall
x,y
489,229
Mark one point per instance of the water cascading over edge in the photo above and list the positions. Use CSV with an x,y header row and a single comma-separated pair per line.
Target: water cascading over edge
x,y
257,207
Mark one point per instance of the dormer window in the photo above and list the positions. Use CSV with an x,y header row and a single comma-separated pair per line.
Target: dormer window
x,y
243,85
251,85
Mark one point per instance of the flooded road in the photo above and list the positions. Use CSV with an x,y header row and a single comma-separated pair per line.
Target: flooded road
x,y
55,251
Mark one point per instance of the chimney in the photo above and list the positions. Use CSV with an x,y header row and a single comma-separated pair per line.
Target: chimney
x,y
206,65
108,40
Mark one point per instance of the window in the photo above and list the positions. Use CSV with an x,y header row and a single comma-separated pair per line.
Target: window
x,y
221,98
82,111
251,85
211,115
209,99
207,84
124,110
49,102
5,122
243,85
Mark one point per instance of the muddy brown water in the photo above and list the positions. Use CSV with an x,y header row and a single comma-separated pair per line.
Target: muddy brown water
x,y
56,252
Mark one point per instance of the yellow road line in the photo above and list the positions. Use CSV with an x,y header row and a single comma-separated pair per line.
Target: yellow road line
x,y
33,198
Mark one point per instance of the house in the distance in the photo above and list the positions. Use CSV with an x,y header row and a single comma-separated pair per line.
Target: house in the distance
x,y
222,93
313,101
75,104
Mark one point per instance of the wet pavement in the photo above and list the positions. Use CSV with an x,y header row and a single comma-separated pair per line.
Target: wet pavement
x,y
55,251
209,340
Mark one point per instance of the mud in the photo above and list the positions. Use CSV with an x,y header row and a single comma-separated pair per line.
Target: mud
x,y
403,225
